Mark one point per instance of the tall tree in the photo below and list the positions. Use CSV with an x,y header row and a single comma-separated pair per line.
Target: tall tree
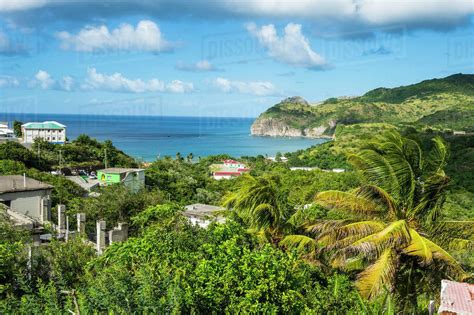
x,y
261,203
394,235
190,157
17,128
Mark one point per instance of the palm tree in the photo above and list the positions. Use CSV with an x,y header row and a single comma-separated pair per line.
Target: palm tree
x,y
394,235
262,205
190,157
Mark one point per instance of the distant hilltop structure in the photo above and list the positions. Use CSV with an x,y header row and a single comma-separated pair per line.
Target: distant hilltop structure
x,y
50,131
228,169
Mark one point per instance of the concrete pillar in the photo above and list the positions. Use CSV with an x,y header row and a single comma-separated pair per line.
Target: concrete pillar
x,y
100,226
431,307
66,236
124,228
119,233
61,218
45,210
81,223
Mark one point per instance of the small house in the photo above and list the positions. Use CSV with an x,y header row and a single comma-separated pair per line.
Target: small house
x,y
132,178
27,197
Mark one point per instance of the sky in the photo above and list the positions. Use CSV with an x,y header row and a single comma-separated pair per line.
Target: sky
x,y
225,58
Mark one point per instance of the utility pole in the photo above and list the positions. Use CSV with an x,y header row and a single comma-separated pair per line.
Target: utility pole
x,y
105,157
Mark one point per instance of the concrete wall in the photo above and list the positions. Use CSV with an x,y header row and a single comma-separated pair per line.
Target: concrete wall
x,y
30,203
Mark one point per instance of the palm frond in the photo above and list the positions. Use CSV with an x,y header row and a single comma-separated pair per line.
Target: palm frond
x,y
338,244
355,230
432,196
376,169
325,226
440,254
264,215
444,231
418,247
438,156
374,278
397,230
302,243
347,201
394,235
376,193
456,244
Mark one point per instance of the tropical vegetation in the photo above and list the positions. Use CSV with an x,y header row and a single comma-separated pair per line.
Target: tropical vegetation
x,y
375,236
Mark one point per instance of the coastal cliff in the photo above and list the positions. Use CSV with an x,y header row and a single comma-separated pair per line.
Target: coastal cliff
x,y
275,127
423,104
279,121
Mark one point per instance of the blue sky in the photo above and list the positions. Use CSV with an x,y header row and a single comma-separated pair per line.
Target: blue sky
x,y
220,58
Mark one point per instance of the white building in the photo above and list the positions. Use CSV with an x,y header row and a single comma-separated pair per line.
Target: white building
x,y
5,132
50,131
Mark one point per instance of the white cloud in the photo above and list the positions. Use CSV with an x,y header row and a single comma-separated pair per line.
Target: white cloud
x,y
259,88
118,83
146,36
19,5
177,86
417,14
292,48
7,81
200,66
44,80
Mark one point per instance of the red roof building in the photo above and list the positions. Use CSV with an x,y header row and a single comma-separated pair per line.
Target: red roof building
x,y
456,298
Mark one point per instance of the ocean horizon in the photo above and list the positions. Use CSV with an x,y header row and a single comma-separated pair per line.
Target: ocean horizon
x,y
150,137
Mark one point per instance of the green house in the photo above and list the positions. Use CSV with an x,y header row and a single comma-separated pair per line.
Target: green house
x,y
132,178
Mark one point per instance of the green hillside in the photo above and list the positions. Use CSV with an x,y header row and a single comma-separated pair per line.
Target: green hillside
x,y
446,103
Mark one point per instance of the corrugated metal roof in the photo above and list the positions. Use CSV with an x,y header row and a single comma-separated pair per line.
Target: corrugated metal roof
x,y
16,183
456,297
117,170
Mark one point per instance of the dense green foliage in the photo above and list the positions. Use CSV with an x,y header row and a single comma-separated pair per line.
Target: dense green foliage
x,y
381,230
431,103
170,267
457,83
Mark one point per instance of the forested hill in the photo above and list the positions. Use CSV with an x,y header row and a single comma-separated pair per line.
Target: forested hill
x,y
444,104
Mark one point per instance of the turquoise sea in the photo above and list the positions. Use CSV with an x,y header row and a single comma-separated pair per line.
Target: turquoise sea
x,y
149,137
